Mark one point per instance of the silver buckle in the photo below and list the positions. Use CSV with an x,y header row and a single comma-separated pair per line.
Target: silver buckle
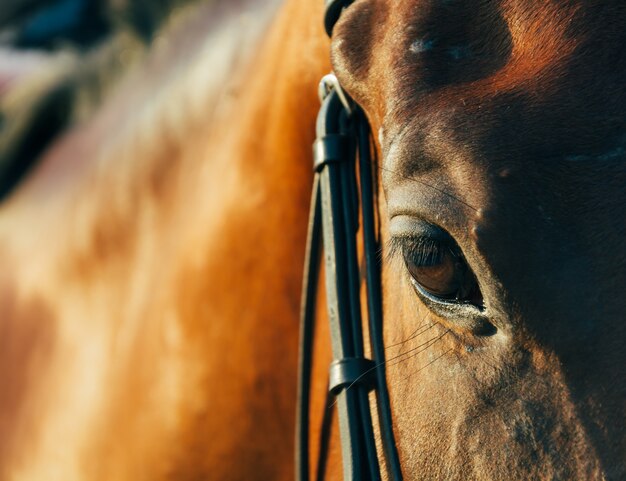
x,y
329,83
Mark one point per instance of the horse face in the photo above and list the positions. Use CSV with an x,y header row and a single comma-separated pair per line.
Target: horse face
x,y
501,127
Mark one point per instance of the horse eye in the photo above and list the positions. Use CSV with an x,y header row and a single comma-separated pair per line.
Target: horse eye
x,y
443,273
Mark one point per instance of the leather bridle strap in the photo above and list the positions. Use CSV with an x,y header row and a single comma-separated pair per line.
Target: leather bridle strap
x,y
342,136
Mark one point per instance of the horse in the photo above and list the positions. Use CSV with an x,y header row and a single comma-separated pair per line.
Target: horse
x,y
153,251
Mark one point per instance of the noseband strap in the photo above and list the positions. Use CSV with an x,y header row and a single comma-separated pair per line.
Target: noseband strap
x,y
343,141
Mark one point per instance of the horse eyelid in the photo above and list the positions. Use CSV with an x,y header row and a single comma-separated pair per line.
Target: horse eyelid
x,y
425,251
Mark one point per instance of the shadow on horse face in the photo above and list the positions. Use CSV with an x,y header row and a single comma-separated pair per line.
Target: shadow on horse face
x,y
496,129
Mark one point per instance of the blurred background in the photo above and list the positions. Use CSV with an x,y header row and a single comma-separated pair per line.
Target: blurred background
x,y
58,59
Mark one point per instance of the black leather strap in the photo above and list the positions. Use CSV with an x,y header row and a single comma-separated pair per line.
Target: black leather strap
x,y
333,12
337,181
374,298
307,332
335,206
342,132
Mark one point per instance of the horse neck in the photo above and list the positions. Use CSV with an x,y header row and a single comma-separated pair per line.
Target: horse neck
x,y
181,240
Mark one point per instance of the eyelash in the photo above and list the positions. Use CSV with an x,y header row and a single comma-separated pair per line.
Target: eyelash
x,y
423,251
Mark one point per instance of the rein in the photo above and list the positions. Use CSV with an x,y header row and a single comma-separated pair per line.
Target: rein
x,y
342,154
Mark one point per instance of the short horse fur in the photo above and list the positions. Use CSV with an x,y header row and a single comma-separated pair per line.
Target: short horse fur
x,y
153,254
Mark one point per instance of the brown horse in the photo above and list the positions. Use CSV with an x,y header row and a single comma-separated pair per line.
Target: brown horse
x,y
153,258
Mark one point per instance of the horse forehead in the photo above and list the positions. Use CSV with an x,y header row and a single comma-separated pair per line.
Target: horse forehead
x,y
433,42
391,55
479,80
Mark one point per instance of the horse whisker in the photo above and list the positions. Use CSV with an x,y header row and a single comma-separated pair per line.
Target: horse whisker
x,y
427,344
402,354
424,346
413,335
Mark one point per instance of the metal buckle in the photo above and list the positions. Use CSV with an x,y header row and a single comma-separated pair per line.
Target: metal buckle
x,y
329,83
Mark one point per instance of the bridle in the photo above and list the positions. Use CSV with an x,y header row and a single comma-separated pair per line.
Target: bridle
x,y
342,152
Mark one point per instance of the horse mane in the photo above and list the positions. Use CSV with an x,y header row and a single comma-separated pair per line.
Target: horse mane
x,y
156,48
133,156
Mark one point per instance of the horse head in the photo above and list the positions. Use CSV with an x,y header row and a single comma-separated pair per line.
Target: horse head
x,y
501,129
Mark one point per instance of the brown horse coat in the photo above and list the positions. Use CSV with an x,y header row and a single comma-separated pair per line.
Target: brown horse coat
x,y
151,285
152,260
503,124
